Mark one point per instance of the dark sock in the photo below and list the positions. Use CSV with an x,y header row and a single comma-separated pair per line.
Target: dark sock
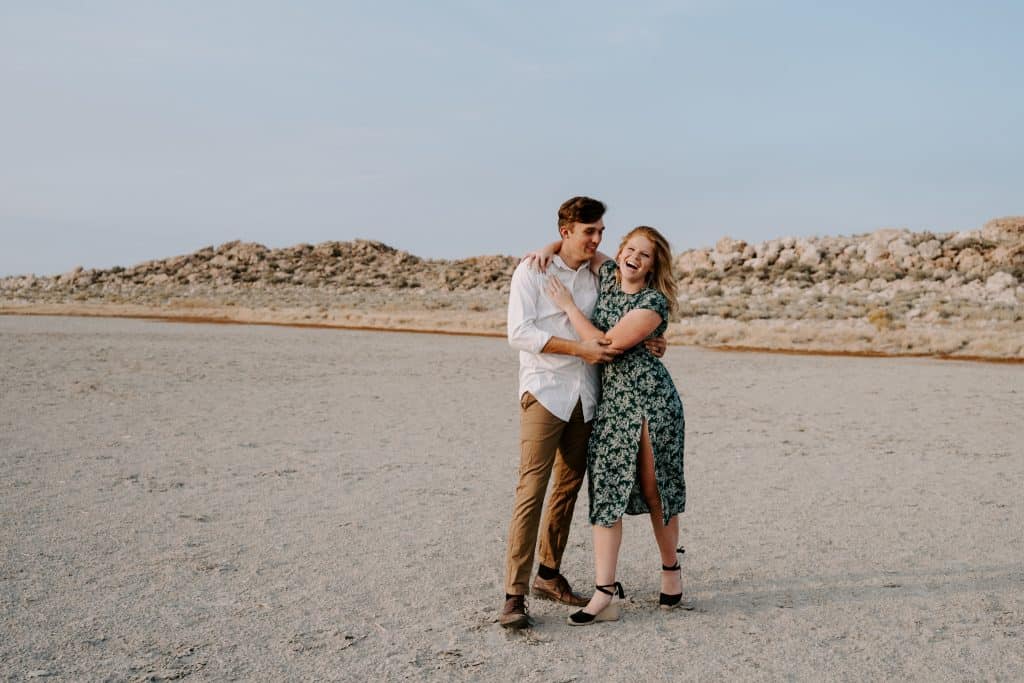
x,y
509,596
546,573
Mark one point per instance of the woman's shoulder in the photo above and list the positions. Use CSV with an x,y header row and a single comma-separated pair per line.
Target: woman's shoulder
x,y
606,274
653,299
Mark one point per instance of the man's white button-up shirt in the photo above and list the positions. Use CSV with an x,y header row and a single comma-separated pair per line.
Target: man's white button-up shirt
x,y
557,381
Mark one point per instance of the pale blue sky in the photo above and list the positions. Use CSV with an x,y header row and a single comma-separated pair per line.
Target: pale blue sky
x,y
136,130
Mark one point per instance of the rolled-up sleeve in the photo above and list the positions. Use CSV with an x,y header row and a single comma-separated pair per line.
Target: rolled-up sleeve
x,y
523,333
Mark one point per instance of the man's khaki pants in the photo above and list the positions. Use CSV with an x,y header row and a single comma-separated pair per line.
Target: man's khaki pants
x,y
545,443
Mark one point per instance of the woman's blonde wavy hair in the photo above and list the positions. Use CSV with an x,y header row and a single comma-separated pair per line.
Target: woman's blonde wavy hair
x,y
660,277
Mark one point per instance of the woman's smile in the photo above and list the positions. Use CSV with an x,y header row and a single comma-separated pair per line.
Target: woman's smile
x,y
636,259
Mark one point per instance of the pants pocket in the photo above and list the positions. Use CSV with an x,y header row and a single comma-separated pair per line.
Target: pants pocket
x,y
526,400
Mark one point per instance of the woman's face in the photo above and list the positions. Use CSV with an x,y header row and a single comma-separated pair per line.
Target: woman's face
x,y
636,258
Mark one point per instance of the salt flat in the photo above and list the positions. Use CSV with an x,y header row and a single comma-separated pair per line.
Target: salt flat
x,y
265,503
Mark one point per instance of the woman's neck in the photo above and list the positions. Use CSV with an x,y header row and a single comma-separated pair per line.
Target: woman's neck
x,y
629,287
632,288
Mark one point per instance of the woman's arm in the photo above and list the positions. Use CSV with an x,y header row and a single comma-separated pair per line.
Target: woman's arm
x,y
597,260
562,297
542,257
632,329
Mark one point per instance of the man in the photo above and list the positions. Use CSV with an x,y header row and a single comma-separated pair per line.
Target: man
x,y
558,390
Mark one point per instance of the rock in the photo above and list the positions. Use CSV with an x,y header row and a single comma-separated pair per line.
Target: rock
x,y
787,257
899,249
931,249
1008,230
969,260
875,252
964,239
727,245
689,261
1000,281
723,260
809,254
884,236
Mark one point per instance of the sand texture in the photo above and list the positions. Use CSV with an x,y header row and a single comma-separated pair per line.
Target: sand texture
x,y
230,502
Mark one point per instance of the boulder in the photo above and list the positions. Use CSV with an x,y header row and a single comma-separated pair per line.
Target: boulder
x,y
727,245
689,261
997,282
809,255
1008,230
899,249
930,250
885,236
964,239
969,260
874,252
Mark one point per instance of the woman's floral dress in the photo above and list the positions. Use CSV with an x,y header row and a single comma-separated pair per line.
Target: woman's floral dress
x,y
634,387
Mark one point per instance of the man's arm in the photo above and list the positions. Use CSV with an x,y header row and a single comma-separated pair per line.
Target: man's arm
x,y
657,346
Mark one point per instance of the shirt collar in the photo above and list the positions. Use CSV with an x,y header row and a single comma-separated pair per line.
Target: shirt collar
x,y
557,260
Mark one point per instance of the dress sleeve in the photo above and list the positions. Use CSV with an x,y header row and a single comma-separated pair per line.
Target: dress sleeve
x,y
606,275
653,300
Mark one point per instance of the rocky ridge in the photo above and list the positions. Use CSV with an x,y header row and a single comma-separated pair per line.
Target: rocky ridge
x,y
891,291
889,274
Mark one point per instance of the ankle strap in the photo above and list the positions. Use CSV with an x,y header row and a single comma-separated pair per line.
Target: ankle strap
x,y
665,568
615,588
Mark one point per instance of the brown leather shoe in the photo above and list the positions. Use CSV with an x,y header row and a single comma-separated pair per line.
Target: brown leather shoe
x,y
513,614
557,589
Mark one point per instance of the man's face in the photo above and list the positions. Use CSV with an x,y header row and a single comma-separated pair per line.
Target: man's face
x,y
580,241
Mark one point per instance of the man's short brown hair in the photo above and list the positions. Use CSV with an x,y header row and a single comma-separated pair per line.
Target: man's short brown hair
x,y
579,210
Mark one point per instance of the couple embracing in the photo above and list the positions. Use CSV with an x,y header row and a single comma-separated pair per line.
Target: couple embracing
x,y
594,399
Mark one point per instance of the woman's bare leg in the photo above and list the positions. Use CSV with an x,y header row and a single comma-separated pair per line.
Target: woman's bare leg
x,y
607,540
666,535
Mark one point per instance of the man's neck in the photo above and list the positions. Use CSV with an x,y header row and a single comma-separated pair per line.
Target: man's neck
x,y
573,263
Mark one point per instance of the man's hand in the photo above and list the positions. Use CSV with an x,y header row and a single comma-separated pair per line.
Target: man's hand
x,y
656,346
596,351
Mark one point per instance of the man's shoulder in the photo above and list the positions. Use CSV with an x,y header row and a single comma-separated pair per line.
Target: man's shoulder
x,y
525,273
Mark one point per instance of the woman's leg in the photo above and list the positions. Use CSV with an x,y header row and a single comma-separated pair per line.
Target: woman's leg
x,y
607,540
666,535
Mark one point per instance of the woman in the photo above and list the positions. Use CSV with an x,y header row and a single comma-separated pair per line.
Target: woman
x,y
635,454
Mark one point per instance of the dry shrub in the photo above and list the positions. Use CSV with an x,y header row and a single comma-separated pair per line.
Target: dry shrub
x,y
881,318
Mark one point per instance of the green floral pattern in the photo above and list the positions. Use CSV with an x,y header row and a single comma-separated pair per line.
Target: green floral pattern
x,y
635,387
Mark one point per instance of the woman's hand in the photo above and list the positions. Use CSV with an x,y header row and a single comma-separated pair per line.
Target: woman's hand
x,y
558,294
540,259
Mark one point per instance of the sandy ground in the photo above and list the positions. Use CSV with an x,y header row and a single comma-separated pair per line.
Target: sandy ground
x,y
220,502
987,338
